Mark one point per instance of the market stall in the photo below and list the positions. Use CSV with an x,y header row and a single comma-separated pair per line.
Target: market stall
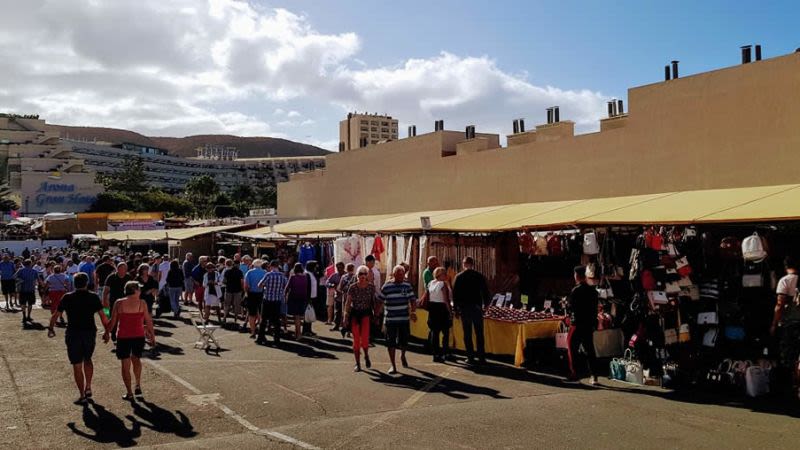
x,y
501,337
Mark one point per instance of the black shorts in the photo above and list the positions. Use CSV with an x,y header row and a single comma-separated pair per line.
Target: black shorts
x,y
8,286
397,335
80,345
130,346
27,298
254,303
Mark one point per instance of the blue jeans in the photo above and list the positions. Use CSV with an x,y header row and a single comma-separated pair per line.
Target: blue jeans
x,y
175,300
472,316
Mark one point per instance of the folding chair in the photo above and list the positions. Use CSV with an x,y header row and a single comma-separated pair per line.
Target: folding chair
x,y
206,333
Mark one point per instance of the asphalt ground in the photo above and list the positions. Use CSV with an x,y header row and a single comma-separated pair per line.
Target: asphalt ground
x,y
305,395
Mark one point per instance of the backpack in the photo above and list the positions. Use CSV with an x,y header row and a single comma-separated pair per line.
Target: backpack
x,y
753,248
554,245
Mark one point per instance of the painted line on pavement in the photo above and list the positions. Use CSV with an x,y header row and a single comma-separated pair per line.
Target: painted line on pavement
x,y
229,412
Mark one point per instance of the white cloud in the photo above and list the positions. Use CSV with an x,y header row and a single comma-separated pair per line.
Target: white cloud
x,y
194,67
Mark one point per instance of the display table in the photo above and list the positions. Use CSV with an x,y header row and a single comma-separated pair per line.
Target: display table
x,y
501,338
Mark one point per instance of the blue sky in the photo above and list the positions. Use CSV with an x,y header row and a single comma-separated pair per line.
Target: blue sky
x,y
294,68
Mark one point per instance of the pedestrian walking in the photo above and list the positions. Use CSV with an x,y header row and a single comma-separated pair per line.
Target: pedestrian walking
x,y
175,286
81,334
470,296
135,326
439,298
582,308
398,306
29,279
149,286
298,296
359,308
255,294
187,266
233,279
57,284
334,297
7,281
274,285
212,292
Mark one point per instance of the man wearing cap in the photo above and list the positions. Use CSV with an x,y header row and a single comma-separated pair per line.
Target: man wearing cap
x,y
582,307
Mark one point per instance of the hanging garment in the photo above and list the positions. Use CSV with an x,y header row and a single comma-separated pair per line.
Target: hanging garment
x,y
377,248
401,249
306,254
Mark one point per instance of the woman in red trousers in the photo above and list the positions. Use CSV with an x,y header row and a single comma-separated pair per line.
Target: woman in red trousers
x,y
359,306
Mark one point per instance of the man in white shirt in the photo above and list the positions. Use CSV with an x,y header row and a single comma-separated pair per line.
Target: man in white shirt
x,y
375,273
163,269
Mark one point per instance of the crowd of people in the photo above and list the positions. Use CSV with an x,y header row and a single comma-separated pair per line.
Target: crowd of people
x,y
243,293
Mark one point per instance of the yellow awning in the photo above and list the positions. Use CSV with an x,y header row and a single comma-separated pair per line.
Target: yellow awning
x,y
161,235
758,203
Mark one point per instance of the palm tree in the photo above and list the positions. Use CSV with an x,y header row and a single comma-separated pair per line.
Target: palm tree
x,y
6,204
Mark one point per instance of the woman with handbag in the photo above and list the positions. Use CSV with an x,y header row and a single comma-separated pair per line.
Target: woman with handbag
x,y
298,295
437,300
359,308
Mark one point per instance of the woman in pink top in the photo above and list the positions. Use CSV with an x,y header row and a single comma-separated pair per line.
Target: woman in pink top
x,y
134,326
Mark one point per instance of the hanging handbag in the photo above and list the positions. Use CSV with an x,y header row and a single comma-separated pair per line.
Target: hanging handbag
x,y
752,281
673,288
604,290
670,336
648,280
562,336
608,343
710,338
756,381
734,333
658,297
683,267
707,318
590,245
684,335
691,292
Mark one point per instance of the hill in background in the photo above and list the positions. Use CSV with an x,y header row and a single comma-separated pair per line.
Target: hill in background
x,y
249,147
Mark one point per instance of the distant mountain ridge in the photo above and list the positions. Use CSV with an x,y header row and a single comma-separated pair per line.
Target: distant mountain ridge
x,y
249,147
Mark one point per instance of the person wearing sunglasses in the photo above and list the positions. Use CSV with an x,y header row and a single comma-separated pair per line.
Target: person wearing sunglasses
x,y
358,311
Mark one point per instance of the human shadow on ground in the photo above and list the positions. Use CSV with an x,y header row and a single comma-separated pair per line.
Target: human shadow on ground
x,y
151,416
105,427
449,387
33,326
163,333
305,351
163,323
155,352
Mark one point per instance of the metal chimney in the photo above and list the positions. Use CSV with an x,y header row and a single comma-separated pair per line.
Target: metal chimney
x,y
549,115
674,70
466,132
620,109
758,52
521,125
611,109
666,73
516,126
555,114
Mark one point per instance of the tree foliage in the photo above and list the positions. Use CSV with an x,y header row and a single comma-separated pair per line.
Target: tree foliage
x,y
130,179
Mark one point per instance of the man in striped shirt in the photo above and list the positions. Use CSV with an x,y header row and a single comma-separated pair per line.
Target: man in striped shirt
x,y
399,305
274,285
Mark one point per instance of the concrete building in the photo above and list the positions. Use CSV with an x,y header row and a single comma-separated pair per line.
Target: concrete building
x,y
49,174
732,127
171,173
361,130
43,173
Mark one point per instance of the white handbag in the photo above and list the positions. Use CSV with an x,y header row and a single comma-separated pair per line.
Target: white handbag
x,y
707,318
756,381
310,315
753,248
658,297
752,281
590,245
633,369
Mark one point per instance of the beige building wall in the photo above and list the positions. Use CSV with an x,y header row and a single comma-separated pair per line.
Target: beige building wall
x,y
375,128
738,126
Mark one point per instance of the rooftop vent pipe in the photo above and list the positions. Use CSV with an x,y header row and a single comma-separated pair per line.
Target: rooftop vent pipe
x,y
549,116
516,126
758,52
556,114
666,73
746,57
412,130
674,70
521,125
469,132
620,109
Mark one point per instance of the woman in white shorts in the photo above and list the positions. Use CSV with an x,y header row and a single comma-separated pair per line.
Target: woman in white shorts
x,y
212,287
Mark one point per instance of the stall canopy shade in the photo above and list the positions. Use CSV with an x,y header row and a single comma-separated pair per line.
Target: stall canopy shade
x,y
161,235
750,204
